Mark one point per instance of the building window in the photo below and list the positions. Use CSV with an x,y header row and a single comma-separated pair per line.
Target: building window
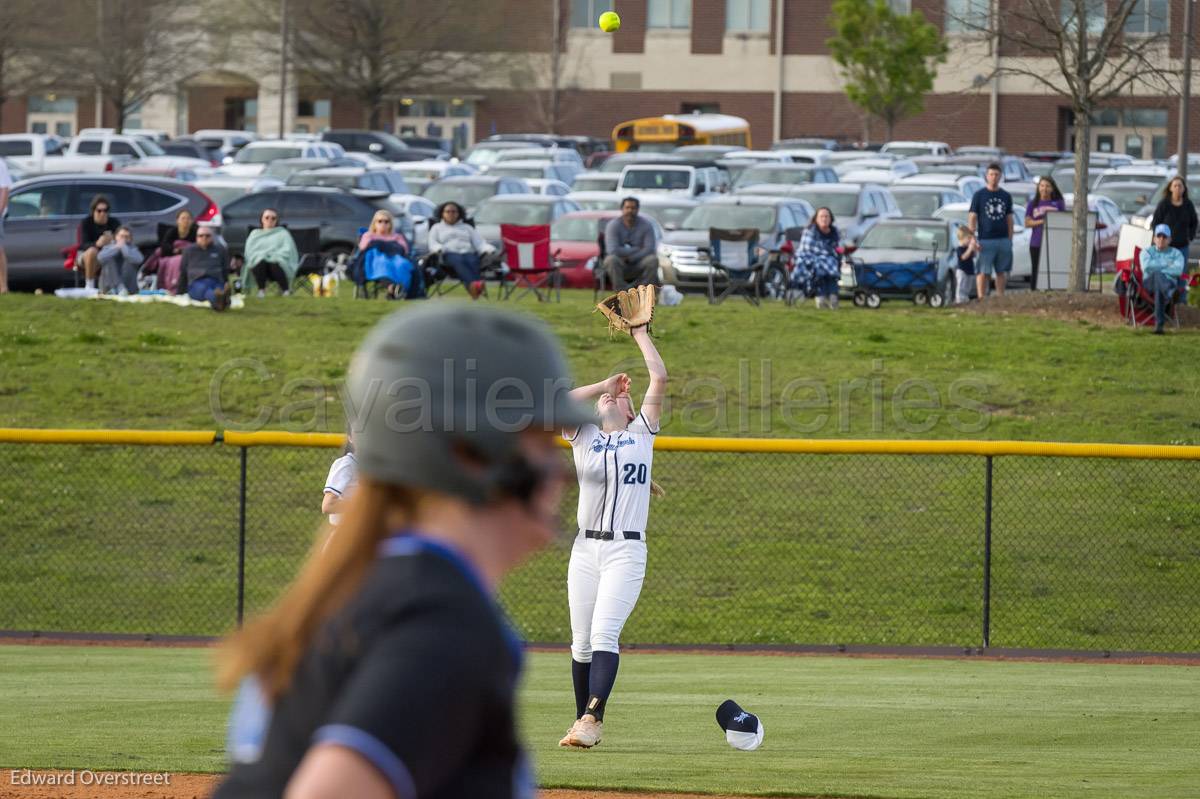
x,y
586,13
699,108
967,16
1147,18
900,6
745,16
1095,13
669,14
52,104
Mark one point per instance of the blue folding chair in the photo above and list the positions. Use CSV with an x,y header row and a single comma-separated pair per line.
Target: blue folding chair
x,y
735,256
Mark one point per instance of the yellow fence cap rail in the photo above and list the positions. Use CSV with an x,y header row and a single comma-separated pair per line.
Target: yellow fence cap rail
x,y
279,438
138,437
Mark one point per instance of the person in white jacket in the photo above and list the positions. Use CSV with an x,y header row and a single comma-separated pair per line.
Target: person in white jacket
x,y
119,262
459,247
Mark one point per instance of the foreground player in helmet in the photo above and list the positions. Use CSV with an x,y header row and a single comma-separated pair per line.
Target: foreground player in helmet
x,y
386,669
608,559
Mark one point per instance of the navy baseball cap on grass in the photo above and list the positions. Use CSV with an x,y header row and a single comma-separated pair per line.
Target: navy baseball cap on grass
x,y
743,730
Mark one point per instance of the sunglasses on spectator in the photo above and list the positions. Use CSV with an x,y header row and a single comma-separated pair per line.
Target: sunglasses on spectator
x,y
102,209
272,216
204,235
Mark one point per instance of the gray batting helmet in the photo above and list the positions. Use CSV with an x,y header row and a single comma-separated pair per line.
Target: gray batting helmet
x,y
431,384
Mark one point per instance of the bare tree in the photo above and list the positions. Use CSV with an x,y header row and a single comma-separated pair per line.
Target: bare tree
x,y
377,51
129,50
24,47
1079,50
547,80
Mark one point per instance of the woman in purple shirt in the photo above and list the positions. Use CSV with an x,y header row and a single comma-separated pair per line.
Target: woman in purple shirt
x,y
1048,198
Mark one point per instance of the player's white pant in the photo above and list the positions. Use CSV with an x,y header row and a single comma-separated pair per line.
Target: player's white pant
x,y
604,580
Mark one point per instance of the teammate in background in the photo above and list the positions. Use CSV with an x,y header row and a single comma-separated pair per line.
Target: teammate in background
x,y
608,558
343,476
387,670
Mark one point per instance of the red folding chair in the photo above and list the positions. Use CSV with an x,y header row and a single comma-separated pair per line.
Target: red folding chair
x,y
531,266
1135,303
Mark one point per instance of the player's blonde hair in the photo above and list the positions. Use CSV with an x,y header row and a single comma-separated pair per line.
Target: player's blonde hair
x,y
270,646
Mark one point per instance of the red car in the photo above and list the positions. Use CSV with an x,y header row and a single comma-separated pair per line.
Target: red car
x,y
575,239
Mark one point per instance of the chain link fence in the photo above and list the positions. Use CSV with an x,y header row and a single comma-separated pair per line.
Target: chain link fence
x,y
747,548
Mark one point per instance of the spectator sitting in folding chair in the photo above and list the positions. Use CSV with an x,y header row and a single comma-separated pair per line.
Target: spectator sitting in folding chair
x,y
271,255
632,258
384,259
459,248
119,262
173,239
1162,266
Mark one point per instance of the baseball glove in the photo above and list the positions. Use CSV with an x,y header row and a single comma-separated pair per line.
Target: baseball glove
x,y
629,309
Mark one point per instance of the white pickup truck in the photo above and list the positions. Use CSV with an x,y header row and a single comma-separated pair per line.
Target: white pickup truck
x,y
145,153
40,152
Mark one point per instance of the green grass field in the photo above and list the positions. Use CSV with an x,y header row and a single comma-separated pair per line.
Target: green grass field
x,y
851,727
746,549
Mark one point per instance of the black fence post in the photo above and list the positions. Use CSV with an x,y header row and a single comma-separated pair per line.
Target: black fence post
x,y
987,553
241,568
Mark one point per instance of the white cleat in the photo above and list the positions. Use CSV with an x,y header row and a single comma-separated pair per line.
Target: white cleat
x,y
584,734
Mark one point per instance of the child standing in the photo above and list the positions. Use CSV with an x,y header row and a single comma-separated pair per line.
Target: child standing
x,y
343,476
964,272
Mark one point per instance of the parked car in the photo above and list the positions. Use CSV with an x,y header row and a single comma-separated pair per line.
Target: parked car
x,y
880,176
596,181
483,154
785,173
680,179
619,161
1021,271
339,215
1064,176
805,155
597,200
919,202
814,143
415,220
666,209
430,143
1131,196
284,168
982,150
528,169
548,187
518,209
575,239
192,148
897,167
1159,175
856,207
680,259
252,159
708,150
357,179
584,145
224,189
470,190
384,145
558,155
227,142
44,213
967,184
153,134
906,241
909,148
1109,219
145,152
419,174
40,152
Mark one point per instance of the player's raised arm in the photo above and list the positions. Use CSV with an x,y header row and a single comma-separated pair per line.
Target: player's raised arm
x,y
656,393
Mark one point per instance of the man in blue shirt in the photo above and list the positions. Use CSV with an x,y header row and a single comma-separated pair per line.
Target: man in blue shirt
x,y
1162,266
991,220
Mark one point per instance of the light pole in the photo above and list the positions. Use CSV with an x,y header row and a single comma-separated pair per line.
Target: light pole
x,y
283,66
1187,89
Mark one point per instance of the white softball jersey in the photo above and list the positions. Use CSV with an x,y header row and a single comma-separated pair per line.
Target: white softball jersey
x,y
614,476
343,476
608,557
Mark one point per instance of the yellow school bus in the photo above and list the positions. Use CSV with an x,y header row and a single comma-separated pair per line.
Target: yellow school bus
x,y
665,133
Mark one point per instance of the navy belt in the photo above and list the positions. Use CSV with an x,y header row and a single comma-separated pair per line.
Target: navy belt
x,y
609,535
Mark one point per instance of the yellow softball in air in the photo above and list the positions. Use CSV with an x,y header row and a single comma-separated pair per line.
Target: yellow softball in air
x,y
610,22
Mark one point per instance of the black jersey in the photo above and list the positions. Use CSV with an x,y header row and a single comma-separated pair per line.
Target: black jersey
x,y
417,674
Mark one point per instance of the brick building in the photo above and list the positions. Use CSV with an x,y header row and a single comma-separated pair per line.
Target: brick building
x,y
669,56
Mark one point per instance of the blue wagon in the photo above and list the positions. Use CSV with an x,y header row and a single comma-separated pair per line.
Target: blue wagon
x,y
915,280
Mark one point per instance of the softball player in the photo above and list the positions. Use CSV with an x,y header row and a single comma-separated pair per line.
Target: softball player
x,y
608,559
387,670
